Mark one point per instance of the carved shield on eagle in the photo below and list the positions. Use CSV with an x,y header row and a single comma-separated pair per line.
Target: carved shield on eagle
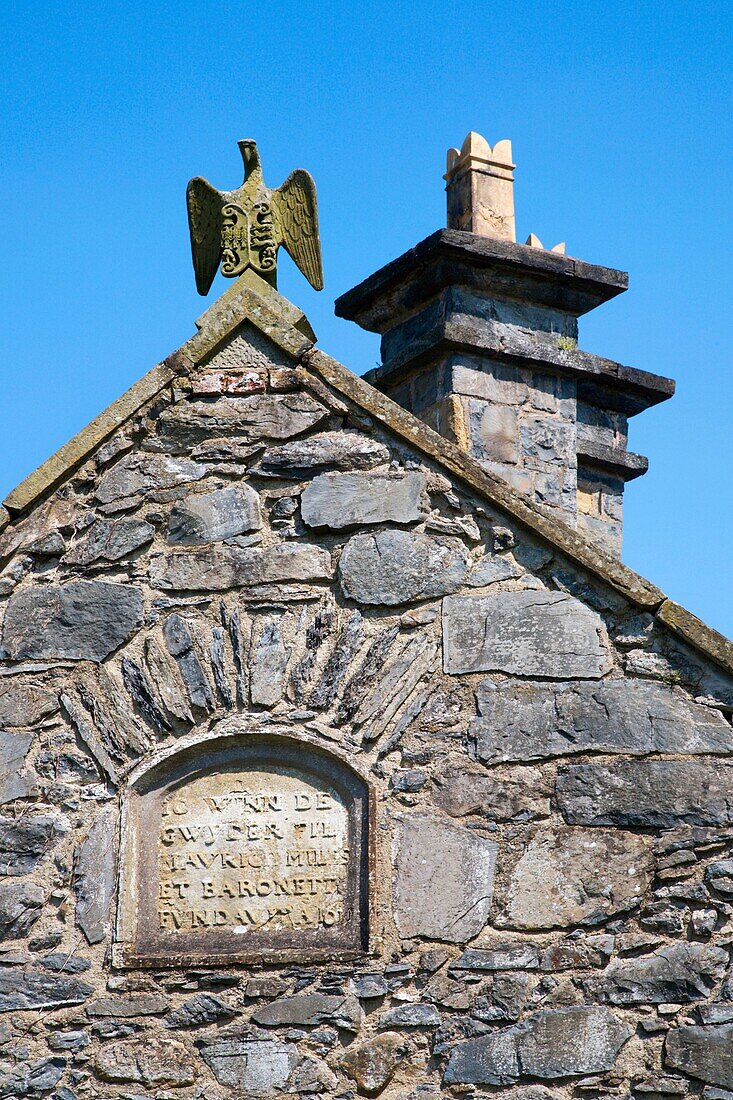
x,y
245,228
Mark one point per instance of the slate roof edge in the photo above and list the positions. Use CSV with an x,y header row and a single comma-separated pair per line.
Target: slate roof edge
x,y
617,576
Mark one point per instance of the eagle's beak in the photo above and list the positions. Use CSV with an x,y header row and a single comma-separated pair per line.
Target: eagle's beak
x,y
248,149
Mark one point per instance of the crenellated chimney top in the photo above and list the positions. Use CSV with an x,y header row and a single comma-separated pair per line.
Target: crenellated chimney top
x,y
480,188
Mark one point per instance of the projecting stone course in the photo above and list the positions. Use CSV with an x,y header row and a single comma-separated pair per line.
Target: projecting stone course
x,y
546,634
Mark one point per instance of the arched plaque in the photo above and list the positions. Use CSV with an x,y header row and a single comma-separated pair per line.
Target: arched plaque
x,y
244,848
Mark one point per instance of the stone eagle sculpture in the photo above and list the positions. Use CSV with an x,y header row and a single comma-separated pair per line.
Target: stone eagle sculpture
x,y
245,228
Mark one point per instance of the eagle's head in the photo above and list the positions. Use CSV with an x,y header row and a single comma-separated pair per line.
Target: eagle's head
x,y
250,156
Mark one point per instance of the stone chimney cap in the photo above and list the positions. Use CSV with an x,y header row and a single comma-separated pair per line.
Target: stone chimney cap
x,y
476,153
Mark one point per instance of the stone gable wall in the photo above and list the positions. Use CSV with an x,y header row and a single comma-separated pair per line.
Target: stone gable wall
x,y
552,776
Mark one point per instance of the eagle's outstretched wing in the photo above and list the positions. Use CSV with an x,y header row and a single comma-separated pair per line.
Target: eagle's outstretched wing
x,y
204,223
296,211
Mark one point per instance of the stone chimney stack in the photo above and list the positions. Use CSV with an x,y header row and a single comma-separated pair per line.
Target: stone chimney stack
x,y
480,340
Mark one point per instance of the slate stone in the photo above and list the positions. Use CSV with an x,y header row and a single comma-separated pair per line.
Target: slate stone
x,y
256,416
20,907
369,987
677,974
371,1065
146,1061
254,1066
528,633
562,1042
269,663
647,793
520,956
138,474
214,569
211,517
180,646
25,988
539,721
36,1078
110,540
492,568
203,1008
95,875
719,877
81,621
522,793
24,703
309,1009
15,780
24,840
341,450
74,1041
567,877
704,1052
349,500
131,1005
444,879
410,1015
61,962
395,567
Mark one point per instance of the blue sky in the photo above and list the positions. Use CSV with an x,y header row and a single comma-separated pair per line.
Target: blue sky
x,y
620,118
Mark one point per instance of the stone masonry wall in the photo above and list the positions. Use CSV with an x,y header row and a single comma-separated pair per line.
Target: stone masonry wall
x,y
552,776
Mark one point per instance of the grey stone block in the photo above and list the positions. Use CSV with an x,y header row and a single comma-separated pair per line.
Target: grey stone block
x,y
25,703
568,877
530,633
309,1009
444,880
538,721
211,517
20,908
254,1066
95,876
25,988
349,500
492,431
147,1061
410,1015
15,780
340,450
704,1052
82,620
203,1008
394,567
24,840
258,416
214,569
138,474
647,793
555,1043
677,974
110,540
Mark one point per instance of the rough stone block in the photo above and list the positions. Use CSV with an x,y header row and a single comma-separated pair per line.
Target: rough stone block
x,y
82,620
95,876
568,877
254,1066
138,474
215,569
551,1044
677,974
704,1052
349,500
372,1065
538,721
20,908
444,880
522,793
395,567
647,793
341,450
211,517
24,840
492,432
258,416
25,703
25,988
15,781
110,541
530,633
145,1061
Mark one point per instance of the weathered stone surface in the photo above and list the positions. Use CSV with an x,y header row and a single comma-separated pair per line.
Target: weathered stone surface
x,y
394,567
703,1052
537,721
676,974
215,569
519,956
180,645
570,876
493,568
444,878
15,781
348,500
647,793
24,840
128,1006
372,1064
522,793
342,450
82,620
269,662
410,1015
95,875
63,962
719,877
26,988
203,1008
555,1043
20,908
145,1061
108,540
35,1078
211,517
256,1066
526,633
136,475
24,703
257,416
308,1009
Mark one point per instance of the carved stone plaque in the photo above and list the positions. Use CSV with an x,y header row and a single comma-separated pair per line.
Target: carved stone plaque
x,y
245,848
